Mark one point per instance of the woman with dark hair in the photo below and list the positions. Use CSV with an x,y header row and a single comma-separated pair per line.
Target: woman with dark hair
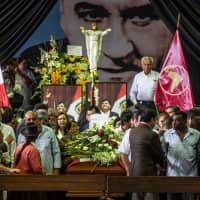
x,y
62,128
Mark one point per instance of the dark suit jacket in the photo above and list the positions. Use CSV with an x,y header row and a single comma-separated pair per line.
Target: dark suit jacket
x,y
146,151
113,114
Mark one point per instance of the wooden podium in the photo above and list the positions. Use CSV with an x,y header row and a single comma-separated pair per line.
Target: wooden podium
x,y
92,168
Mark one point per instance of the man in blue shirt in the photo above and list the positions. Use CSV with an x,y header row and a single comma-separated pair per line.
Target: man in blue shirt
x,y
181,146
46,143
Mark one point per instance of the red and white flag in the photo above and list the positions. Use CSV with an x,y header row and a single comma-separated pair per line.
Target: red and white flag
x,y
4,101
173,86
120,103
75,106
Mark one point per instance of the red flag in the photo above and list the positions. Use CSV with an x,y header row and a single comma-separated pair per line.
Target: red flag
x,y
173,87
4,101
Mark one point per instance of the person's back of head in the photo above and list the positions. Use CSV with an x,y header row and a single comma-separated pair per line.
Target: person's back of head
x,y
195,123
126,116
125,119
7,115
135,118
193,113
40,106
42,115
193,118
30,132
172,109
182,114
147,115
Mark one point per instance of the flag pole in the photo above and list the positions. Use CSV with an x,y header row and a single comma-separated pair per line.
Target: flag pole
x,y
178,21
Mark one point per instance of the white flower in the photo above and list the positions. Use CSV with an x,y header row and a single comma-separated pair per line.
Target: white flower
x,y
94,138
85,148
109,147
111,136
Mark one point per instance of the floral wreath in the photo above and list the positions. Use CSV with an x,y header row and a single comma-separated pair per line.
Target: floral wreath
x,y
60,68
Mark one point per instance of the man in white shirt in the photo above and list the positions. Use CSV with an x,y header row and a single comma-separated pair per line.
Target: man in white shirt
x,y
105,114
144,85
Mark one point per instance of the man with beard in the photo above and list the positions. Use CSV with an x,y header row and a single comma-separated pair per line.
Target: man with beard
x,y
46,142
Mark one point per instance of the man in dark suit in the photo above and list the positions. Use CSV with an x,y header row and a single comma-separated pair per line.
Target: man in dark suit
x,y
145,151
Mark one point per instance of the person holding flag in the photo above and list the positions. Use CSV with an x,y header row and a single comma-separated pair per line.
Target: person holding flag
x,y
173,87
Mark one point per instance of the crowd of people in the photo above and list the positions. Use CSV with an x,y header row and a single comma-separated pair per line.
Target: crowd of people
x,y
154,143
167,144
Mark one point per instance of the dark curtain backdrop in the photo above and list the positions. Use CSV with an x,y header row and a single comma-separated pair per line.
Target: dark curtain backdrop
x,y
18,20
189,33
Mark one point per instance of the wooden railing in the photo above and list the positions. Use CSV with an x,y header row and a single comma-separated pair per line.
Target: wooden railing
x,y
73,182
100,184
152,184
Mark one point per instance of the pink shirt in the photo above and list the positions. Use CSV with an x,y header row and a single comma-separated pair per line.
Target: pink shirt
x,y
30,161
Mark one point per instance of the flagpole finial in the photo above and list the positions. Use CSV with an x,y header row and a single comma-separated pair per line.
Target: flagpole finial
x,y
178,20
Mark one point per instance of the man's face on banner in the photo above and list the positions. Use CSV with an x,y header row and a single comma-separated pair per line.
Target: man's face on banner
x,y
136,31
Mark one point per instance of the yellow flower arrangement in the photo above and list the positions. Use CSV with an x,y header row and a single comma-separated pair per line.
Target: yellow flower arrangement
x,y
60,68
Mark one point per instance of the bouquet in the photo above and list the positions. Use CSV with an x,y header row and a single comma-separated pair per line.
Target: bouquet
x,y
97,144
60,68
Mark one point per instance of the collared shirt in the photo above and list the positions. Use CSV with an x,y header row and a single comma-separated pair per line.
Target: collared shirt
x,y
105,115
47,144
8,130
181,154
97,119
124,146
143,86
